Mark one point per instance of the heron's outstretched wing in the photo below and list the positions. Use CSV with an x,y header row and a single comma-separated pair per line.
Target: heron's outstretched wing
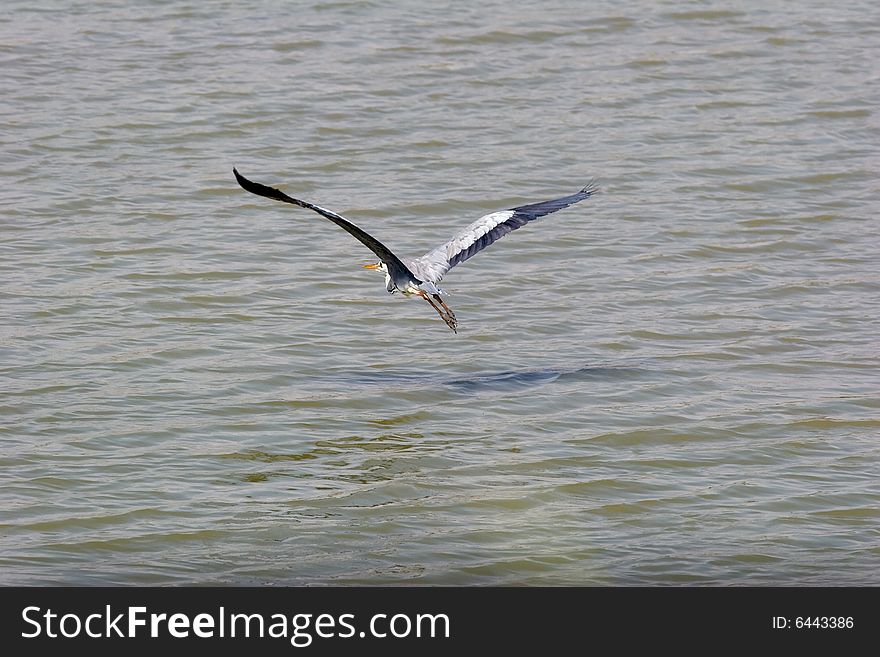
x,y
486,230
385,255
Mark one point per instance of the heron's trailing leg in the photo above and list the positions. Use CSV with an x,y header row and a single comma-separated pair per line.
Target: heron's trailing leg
x,y
450,316
446,308
445,312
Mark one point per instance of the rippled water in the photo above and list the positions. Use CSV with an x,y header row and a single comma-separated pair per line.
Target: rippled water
x,y
672,382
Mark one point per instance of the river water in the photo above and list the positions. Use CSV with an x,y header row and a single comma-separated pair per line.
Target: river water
x,y
673,382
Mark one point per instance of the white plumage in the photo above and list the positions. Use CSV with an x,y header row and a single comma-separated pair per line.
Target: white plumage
x,y
436,262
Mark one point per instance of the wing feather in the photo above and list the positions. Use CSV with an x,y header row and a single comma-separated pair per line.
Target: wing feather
x,y
383,252
485,231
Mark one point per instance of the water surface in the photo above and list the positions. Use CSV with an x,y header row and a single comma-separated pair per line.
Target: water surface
x,y
674,382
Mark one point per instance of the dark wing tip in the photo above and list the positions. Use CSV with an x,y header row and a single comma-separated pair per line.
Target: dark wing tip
x,y
535,210
590,188
263,190
241,179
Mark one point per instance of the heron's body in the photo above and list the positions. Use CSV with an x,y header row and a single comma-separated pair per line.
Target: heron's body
x,y
421,276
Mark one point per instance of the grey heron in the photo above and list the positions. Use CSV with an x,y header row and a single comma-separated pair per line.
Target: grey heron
x,y
420,277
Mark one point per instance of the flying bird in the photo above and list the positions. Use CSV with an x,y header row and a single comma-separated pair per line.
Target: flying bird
x,y
420,277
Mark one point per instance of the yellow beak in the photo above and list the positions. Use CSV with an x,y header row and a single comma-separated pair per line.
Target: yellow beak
x,y
371,266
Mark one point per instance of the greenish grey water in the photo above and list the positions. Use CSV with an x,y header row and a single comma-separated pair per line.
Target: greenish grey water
x,y
674,382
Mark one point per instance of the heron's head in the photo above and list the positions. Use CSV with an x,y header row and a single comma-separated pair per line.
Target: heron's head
x,y
379,266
